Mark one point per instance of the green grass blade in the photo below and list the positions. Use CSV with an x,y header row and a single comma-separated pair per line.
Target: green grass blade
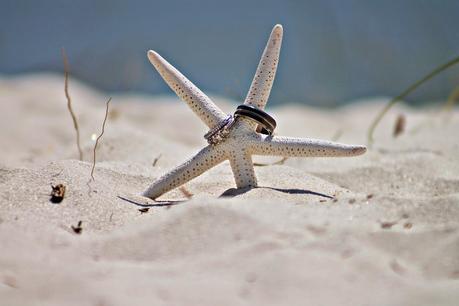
x,y
401,96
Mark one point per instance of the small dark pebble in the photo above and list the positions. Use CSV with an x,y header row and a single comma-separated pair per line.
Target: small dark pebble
x,y
399,126
396,267
77,229
144,210
387,225
57,193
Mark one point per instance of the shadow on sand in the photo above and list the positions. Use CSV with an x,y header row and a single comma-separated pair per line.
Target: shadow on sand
x,y
232,192
151,203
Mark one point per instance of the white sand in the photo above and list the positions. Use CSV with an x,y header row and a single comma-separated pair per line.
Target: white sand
x,y
291,246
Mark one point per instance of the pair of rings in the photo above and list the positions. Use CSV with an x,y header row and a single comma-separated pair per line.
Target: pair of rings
x,y
266,123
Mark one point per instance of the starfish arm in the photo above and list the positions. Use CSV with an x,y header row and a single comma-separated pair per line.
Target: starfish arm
x,y
263,80
201,104
241,164
302,147
201,162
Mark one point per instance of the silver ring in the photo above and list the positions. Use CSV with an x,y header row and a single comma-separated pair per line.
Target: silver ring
x,y
220,131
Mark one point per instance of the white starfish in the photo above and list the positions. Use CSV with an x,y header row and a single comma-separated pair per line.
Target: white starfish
x,y
242,141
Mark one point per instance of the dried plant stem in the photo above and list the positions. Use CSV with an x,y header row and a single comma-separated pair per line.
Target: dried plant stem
x,y
155,161
279,162
97,140
69,102
407,91
453,97
446,110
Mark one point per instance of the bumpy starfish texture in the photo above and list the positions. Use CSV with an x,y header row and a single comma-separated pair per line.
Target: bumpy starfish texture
x,y
242,141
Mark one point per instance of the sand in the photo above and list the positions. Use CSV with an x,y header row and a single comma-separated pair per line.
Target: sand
x,y
379,229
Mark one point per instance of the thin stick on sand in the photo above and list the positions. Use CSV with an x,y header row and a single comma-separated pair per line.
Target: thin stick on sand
x,y
405,93
279,162
97,140
69,102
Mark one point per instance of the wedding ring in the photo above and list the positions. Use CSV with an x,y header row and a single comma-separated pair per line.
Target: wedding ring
x,y
266,123
216,134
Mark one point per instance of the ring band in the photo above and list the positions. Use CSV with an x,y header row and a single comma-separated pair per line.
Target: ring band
x,y
220,131
266,123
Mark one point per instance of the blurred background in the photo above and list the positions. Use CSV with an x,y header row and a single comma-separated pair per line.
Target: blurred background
x,y
334,51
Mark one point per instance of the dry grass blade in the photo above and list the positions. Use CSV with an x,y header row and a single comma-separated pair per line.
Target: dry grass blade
x,y
446,110
97,140
155,161
279,162
405,93
69,102
453,97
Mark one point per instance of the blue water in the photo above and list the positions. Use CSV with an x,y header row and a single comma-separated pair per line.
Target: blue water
x,y
334,51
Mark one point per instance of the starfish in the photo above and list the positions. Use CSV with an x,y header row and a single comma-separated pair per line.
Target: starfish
x,y
242,140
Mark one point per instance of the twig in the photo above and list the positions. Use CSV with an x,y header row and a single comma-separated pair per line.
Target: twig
x,y
69,102
155,161
407,91
97,140
57,174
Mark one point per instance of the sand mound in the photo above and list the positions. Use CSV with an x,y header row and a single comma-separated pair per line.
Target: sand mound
x,y
380,229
